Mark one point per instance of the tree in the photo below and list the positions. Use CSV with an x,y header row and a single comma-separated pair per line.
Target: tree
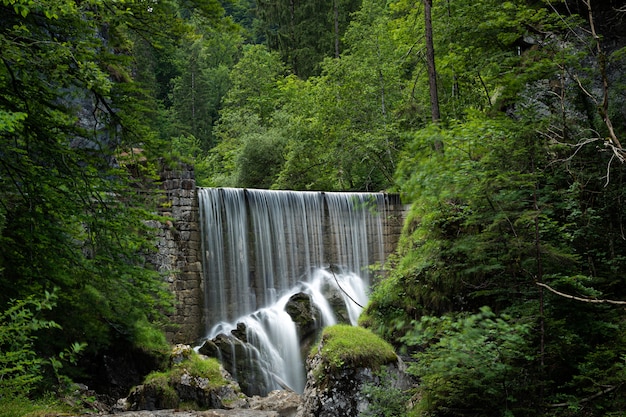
x,y
305,32
245,119
430,62
517,199
71,119
204,60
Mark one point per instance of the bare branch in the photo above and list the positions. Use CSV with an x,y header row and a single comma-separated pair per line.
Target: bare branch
x,y
584,300
608,170
584,400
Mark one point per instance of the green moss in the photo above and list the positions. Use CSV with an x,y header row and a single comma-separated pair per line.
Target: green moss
x,y
160,381
157,378
196,366
200,367
356,347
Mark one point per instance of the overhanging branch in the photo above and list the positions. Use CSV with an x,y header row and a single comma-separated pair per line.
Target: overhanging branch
x,y
584,300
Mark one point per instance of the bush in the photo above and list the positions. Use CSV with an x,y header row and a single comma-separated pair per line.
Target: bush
x,y
20,366
471,364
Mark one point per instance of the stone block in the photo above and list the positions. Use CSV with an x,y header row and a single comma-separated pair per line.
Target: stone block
x,y
188,184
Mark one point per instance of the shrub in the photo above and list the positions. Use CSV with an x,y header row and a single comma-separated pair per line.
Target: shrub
x,y
384,399
20,366
474,364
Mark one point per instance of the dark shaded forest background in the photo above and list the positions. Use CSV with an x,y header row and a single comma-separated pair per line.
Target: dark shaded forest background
x,y
509,285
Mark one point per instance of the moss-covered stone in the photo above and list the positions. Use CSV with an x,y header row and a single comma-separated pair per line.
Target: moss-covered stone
x,y
355,347
348,363
191,379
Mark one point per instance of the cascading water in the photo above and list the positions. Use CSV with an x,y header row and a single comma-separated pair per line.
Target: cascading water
x,y
263,247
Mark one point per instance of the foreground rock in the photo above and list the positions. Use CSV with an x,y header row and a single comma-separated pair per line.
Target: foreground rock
x,y
275,404
349,361
207,413
284,403
191,379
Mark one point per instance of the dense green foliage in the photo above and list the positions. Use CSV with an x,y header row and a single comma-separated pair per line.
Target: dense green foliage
x,y
516,193
20,367
78,145
475,362
527,191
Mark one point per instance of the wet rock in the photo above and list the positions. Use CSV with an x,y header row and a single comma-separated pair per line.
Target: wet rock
x,y
239,359
337,303
240,332
304,314
307,318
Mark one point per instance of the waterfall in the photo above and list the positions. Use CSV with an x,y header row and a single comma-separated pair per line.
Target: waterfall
x,y
261,248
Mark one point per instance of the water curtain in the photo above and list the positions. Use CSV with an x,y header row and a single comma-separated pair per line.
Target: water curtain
x,y
260,247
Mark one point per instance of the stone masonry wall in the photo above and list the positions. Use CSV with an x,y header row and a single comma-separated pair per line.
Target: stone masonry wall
x,y
394,222
178,254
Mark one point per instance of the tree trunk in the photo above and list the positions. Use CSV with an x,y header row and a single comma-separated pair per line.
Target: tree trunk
x,y
336,21
430,62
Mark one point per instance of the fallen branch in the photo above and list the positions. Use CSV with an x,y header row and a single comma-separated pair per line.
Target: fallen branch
x,y
342,290
584,400
584,300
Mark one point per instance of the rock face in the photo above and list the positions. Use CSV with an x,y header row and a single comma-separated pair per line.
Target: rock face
x,y
178,254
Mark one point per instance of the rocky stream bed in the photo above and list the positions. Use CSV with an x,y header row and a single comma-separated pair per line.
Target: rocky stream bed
x,y
275,404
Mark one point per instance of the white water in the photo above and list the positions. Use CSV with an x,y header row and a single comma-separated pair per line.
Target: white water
x,y
261,247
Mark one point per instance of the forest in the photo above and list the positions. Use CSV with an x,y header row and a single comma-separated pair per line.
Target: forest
x,y
499,122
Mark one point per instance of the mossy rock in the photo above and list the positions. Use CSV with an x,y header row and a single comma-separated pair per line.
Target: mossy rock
x,y
347,364
194,380
354,347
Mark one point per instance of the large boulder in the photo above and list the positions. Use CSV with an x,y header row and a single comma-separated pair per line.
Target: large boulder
x,y
342,369
191,378
307,318
240,359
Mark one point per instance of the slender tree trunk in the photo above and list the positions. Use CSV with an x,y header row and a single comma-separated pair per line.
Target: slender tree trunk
x,y
336,19
603,108
430,62
295,45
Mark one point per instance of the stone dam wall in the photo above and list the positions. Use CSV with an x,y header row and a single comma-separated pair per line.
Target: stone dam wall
x,y
178,255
